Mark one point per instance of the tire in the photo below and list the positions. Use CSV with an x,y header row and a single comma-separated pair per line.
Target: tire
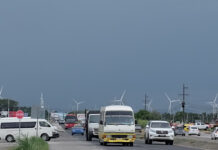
x,y
124,144
72,134
82,134
45,137
131,144
9,138
100,142
167,142
105,143
149,141
199,135
89,137
170,142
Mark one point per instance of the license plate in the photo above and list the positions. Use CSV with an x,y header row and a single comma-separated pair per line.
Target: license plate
x,y
162,135
119,138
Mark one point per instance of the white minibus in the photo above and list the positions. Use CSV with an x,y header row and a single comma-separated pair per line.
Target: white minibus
x,y
10,128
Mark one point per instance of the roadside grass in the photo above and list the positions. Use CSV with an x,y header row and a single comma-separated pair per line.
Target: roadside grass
x,y
32,143
196,143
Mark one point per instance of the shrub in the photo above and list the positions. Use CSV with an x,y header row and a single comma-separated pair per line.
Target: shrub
x,y
32,143
142,123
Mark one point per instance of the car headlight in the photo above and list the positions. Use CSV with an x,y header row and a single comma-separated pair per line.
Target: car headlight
x,y
170,131
153,131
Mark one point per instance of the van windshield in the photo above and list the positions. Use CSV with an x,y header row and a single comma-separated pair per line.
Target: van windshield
x,y
160,125
119,120
94,119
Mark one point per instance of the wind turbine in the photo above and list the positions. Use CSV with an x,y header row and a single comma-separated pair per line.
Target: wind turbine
x,y
121,98
77,104
42,105
214,105
170,101
1,92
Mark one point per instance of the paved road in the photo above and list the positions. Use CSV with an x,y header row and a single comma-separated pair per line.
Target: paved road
x,y
69,142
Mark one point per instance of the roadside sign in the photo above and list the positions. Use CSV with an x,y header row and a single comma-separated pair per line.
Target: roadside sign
x,y
19,114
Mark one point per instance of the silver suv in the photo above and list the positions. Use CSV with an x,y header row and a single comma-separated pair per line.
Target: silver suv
x,y
159,131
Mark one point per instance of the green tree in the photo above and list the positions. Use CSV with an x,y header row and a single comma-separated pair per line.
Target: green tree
x,y
4,104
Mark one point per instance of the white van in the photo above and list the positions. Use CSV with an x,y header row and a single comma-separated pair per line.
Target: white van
x,y
117,125
9,129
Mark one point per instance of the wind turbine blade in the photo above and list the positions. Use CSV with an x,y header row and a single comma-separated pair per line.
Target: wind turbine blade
x,y
167,97
1,91
215,98
122,96
75,101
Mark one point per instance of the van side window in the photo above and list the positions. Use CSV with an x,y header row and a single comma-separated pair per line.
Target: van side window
x,y
28,124
44,124
10,125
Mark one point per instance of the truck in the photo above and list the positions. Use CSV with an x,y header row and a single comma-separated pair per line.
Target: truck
x,y
117,125
201,126
91,124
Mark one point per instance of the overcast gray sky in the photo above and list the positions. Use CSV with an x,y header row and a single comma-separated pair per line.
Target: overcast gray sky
x,y
93,50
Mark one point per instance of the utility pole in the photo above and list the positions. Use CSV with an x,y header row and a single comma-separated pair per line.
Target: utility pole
x,y
183,101
146,97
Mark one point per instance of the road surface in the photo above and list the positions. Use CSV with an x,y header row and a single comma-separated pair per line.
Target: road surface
x,y
78,142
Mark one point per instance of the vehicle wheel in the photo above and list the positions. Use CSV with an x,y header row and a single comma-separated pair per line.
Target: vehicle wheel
x,y
175,134
170,142
189,134
72,133
183,134
215,138
211,138
105,143
167,142
45,137
9,138
149,141
146,141
82,134
100,142
89,137
124,144
199,135
131,144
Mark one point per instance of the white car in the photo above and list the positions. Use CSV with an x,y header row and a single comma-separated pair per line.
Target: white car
x,y
159,131
214,134
193,130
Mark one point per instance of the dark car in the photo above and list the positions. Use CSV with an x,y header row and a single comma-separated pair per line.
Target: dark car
x,y
179,131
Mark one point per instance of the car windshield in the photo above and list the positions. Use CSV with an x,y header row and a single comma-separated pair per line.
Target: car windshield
x,y
160,125
94,119
119,120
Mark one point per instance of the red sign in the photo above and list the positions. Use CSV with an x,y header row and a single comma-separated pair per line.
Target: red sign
x,y
19,114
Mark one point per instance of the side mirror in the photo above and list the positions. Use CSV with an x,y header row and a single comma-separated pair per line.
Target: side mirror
x,y
147,126
136,122
101,122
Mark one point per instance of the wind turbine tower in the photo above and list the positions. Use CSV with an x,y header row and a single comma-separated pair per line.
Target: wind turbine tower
x,y
214,105
170,103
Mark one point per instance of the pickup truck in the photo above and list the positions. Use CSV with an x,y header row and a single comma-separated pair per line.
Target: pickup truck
x,y
201,126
